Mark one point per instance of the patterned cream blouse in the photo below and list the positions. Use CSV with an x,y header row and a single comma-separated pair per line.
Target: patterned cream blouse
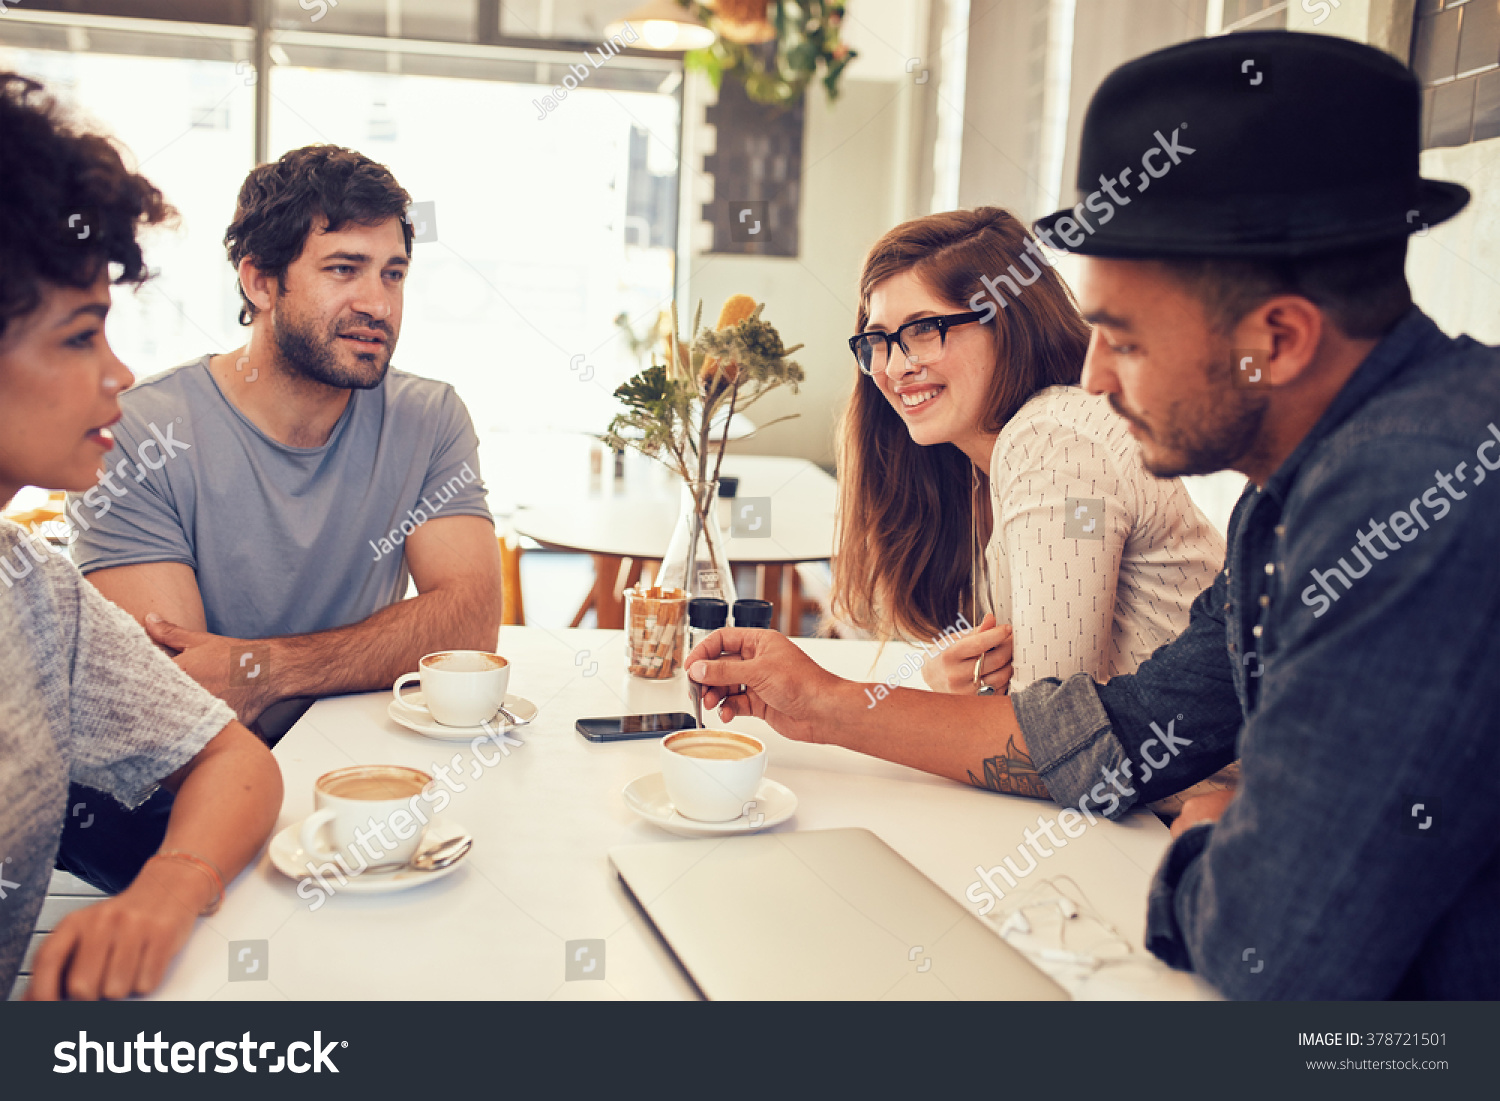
x,y
1092,560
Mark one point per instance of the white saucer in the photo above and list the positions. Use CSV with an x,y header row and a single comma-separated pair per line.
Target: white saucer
x,y
290,859
423,723
647,796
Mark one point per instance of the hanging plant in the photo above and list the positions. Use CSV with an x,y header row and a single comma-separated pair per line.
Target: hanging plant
x,y
775,47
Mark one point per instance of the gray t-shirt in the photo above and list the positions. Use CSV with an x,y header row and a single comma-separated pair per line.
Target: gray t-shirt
x,y
87,697
284,540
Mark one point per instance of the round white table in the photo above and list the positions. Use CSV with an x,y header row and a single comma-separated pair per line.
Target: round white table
x,y
639,524
626,521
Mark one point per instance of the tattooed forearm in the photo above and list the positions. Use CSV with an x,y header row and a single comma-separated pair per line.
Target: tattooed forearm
x,y
1012,773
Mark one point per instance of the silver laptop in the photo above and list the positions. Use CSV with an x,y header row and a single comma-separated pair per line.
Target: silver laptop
x,y
817,915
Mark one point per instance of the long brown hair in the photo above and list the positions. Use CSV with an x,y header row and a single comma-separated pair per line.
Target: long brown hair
x,y
905,559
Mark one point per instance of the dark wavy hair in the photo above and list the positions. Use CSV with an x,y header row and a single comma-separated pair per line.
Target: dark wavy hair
x,y
69,208
905,558
278,203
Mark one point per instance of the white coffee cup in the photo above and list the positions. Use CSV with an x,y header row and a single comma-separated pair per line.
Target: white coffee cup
x,y
711,774
459,687
374,802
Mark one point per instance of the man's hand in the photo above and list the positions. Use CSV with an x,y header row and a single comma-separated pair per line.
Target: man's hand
x,y
122,946
783,685
209,659
953,671
1202,808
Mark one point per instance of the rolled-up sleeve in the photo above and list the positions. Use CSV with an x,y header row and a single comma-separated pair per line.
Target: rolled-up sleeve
x,y
1092,744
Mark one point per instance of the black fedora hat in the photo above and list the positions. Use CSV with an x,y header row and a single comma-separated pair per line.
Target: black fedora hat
x,y
1268,144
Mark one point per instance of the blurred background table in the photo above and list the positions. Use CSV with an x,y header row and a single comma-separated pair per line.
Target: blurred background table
x,y
544,485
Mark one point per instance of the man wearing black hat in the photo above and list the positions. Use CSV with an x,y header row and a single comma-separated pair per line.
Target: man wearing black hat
x,y
1244,207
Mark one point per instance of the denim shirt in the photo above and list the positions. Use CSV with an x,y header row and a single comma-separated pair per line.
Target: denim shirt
x,y
1349,655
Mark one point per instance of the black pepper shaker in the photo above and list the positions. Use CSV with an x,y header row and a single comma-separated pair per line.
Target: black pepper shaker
x,y
753,613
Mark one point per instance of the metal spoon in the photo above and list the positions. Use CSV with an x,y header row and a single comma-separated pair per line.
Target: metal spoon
x,y
448,851
512,718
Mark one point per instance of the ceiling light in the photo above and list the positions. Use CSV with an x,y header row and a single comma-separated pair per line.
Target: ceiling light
x,y
664,25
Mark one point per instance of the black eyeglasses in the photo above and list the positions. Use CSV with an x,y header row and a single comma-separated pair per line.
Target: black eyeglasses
x,y
922,340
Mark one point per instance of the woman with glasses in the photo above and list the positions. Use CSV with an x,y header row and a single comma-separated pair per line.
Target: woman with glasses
x,y
983,493
88,697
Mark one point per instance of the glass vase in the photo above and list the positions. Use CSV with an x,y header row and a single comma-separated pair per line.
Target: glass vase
x,y
699,539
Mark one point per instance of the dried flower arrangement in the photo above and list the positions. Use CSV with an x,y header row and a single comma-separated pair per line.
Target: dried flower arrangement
x,y
672,409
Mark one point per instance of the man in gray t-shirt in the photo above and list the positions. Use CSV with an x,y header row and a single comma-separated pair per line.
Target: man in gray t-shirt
x,y
265,507
269,504
280,540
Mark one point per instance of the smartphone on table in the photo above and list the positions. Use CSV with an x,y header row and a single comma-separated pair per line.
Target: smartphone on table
x,y
621,728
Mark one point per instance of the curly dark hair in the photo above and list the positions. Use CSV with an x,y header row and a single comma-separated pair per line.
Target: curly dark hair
x,y
69,207
277,203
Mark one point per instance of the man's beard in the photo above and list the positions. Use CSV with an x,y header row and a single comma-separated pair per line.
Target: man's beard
x,y
304,351
1204,440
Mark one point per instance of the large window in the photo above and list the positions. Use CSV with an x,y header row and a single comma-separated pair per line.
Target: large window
x,y
549,224
188,123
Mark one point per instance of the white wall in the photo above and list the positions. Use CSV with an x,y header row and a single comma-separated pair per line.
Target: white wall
x,y
1454,268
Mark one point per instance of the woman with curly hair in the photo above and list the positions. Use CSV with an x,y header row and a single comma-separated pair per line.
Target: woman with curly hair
x,y
88,696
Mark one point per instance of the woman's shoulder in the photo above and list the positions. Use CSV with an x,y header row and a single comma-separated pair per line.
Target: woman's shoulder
x,y
1052,425
29,567
38,590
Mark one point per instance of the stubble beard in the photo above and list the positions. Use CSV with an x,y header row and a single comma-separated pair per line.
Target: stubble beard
x,y
1212,435
303,352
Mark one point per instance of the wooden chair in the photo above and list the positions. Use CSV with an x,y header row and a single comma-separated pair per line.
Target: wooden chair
x,y
612,576
32,519
513,606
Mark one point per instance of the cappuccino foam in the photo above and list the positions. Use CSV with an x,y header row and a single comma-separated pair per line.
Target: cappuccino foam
x,y
375,788
464,661
714,749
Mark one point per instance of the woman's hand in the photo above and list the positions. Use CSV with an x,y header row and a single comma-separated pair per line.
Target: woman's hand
x,y
782,685
953,671
122,946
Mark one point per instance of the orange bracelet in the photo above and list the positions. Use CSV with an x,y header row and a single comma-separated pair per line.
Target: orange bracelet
x,y
204,866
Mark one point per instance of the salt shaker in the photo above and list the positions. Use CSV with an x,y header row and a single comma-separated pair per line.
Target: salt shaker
x,y
706,614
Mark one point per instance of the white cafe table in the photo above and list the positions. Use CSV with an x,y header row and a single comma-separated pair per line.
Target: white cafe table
x,y
544,817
